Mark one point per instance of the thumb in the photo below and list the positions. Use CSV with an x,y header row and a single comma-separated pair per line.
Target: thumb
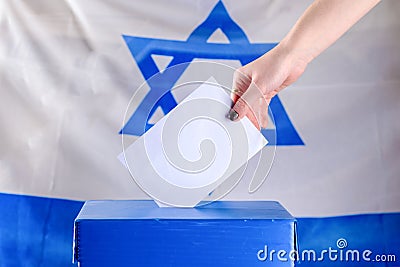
x,y
239,110
243,105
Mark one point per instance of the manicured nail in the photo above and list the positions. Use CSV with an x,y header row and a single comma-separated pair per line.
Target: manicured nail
x,y
233,115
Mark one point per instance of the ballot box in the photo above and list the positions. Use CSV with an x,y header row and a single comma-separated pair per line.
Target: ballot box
x,y
223,233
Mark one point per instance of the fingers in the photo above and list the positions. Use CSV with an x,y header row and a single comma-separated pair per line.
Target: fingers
x,y
254,118
258,113
253,105
239,109
242,108
245,101
241,83
263,117
248,101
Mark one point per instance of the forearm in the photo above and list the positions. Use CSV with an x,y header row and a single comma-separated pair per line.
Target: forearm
x,y
322,24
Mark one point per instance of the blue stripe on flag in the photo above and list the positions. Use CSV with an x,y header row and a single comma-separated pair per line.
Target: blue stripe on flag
x,y
36,231
379,233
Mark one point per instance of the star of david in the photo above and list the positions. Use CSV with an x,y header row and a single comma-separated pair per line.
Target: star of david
x,y
196,46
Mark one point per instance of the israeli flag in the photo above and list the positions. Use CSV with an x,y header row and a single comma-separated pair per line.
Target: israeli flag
x,y
68,70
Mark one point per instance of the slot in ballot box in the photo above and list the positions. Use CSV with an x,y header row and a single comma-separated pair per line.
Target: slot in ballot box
x,y
223,233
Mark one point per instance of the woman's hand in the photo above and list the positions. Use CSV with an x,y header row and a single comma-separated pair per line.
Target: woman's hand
x,y
255,84
320,25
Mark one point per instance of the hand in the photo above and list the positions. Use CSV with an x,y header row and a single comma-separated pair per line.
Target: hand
x,y
321,24
255,84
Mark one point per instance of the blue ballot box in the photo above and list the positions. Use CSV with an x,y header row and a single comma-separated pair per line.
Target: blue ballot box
x,y
224,233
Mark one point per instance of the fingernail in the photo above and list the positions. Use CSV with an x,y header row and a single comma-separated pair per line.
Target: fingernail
x,y
233,115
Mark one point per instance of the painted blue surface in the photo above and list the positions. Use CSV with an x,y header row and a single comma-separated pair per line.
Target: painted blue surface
x,y
183,53
139,233
37,231
148,210
379,233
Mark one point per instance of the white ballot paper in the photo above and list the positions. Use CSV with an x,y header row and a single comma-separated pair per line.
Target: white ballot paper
x,y
193,149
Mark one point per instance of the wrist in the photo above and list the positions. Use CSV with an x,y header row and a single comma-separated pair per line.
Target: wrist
x,y
295,53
